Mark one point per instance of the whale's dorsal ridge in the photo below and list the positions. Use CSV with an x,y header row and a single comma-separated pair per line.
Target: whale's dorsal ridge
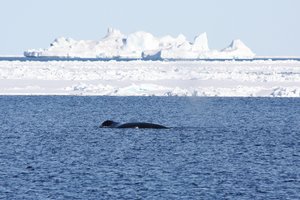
x,y
113,124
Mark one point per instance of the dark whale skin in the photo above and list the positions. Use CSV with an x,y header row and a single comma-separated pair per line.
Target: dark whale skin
x,y
141,125
113,124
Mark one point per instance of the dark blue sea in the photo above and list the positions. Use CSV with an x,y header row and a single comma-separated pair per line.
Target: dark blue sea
x,y
51,147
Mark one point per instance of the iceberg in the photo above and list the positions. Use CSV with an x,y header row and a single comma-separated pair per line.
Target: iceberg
x,y
237,49
141,46
201,43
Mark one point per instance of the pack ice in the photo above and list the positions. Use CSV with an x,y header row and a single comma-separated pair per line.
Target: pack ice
x,y
146,78
141,45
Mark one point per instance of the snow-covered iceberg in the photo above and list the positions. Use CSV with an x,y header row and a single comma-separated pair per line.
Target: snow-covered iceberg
x,y
141,45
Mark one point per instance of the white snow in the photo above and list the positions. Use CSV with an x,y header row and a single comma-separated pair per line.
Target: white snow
x,y
140,45
146,78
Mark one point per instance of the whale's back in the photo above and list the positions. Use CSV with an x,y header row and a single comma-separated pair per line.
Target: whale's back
x,y
141,125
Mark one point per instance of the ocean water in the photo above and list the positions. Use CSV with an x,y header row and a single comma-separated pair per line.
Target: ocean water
x,y
51,147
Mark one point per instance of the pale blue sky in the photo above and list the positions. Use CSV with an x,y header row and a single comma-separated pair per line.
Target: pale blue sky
x,y
268,27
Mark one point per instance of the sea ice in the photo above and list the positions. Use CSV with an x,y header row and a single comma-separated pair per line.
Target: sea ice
x,y
147,78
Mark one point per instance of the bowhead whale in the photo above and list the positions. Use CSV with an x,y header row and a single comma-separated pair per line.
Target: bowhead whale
x,y
113,124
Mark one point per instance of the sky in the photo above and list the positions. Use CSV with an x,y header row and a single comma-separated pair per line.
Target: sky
x,y
268,27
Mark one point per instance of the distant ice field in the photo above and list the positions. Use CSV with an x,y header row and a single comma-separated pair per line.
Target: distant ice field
x,y
226,78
